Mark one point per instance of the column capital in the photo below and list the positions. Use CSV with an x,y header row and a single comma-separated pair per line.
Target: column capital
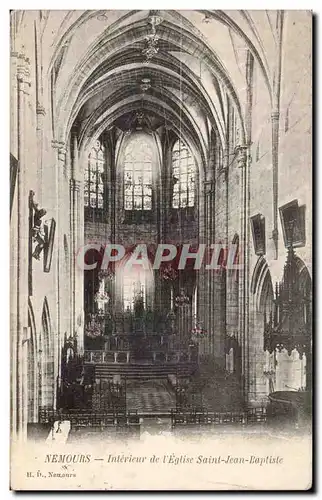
x,y
23,77
209,186
20,55
74,185
58,144
40,110
241,155
223,169
61,149
22,65
275,116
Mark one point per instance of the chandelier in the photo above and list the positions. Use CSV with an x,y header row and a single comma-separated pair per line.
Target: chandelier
x,y
288,326
106,274
101,298
182,299
152,39
95,326
198,330
145,85
168,273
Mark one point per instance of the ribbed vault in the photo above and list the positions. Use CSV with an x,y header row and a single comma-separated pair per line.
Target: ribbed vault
x,y
190,89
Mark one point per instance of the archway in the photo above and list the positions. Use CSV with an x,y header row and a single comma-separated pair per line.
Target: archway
x,y
261,364
233,349
46,361
32,368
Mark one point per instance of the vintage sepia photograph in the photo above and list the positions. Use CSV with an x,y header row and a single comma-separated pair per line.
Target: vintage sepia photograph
x,y
161,250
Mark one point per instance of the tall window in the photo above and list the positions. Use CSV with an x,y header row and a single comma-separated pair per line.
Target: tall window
x,y
138,175
93,178
133,290
184,173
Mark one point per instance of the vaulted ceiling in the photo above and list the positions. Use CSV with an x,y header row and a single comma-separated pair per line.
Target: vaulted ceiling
x,y
101,73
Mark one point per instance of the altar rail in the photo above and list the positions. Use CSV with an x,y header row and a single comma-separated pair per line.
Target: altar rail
x,y
203,417
126,357
89,419
152,341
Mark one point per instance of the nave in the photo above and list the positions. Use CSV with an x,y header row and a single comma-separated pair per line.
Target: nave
x,y
161,218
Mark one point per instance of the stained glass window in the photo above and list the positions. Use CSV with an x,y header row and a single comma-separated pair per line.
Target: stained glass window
x,y
138,175
93,178
183,175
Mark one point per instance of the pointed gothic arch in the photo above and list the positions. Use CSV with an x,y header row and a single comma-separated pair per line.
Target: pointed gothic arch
x,y
46,360
262,296
32,380
261,285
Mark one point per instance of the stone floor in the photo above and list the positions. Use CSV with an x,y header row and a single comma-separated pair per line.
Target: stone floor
x,y
153,396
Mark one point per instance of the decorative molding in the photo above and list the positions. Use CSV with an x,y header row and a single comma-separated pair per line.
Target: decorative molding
x,y
275,115
23,78
145,84
61,150
209,186
40,110
207,19
21,56
58,144
241,156
75,185
289,324
152,39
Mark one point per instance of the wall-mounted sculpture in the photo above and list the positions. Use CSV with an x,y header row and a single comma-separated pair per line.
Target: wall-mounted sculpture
x,y
41,233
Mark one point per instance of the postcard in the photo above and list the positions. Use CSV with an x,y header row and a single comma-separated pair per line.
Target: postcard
x,y
161,250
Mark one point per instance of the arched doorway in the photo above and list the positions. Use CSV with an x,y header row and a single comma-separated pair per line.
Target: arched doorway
x,y
46,361
32,369
261,371
232,345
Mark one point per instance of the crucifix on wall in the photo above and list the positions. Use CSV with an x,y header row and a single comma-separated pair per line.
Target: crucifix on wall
x,y
41,237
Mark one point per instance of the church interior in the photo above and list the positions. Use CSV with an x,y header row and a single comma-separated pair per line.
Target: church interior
x,y
190,129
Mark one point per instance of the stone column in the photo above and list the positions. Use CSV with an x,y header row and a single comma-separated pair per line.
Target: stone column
x,y
219,317
77,242
19,262
183,315
218,298
41,113
77,278
243,164
209,274
62,300
275,117
204,276
14,244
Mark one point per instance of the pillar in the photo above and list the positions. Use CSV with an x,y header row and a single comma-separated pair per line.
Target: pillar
x,y
61,299
19,256
218,296
275,117
77,242
243,160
